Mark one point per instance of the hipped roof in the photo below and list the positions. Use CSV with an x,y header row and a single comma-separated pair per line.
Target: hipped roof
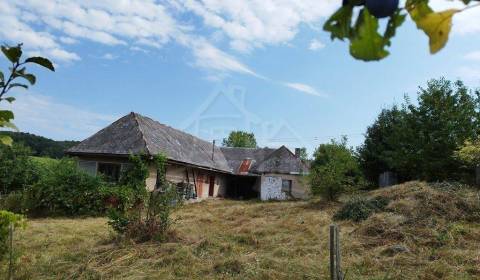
x,y
137,134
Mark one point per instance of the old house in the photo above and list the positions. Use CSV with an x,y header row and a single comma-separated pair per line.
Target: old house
x,y
208,170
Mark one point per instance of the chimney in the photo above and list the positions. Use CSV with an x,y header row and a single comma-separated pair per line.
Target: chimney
x,y
297,152
213,150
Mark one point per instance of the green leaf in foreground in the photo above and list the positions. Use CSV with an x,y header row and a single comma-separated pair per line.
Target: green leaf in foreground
x,y
12,53
41,61
6,116
339,24
9,99
6,140
394,22
368,44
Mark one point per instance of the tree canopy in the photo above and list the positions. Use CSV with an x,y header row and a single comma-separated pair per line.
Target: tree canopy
x,y
418,141
240,139
333,169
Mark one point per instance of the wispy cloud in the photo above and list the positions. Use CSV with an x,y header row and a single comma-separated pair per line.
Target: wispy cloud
x,y
475,56
305,89
42,115
109,56
315,45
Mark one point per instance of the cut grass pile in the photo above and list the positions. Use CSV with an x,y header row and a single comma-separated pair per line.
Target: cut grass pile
x,y
425,232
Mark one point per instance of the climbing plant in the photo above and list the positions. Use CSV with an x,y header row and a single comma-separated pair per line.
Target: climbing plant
x,y
15,71
368,43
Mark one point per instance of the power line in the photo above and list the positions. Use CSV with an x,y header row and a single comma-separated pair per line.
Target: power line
x,y
304,139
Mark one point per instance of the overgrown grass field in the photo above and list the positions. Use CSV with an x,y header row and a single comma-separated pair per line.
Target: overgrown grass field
x,y
223,239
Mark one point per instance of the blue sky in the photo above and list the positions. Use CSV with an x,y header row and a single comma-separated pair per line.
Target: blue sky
x,y
276,72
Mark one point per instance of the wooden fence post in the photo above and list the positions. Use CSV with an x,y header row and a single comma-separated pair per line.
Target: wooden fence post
x,y
10,265
332,253
335,255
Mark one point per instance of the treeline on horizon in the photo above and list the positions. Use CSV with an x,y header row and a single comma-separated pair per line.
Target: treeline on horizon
x,y
40,146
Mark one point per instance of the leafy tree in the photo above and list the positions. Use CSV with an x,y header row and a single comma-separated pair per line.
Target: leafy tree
x,y
333,170
368,43
469,153
17,70
303,154
419,141
240,139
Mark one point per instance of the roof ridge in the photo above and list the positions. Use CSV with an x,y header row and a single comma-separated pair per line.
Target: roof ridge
x,y
195,138
135,117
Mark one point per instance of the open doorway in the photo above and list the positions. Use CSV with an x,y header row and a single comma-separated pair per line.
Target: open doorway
x,y
211,188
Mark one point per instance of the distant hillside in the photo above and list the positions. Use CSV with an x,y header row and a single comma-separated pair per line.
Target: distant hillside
x,y
41,146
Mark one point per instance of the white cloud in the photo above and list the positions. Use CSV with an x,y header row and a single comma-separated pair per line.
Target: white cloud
x,y
49,27
109,56
475,56
67,40
210,57
305,89
40,114
254,23
316,45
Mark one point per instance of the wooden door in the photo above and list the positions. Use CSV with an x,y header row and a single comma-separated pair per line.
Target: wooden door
x,y
212,186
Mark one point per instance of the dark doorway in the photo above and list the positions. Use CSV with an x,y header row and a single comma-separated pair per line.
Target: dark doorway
x,y
242,187
212,186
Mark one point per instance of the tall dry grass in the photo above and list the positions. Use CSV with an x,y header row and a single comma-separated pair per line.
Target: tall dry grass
x,y
223,239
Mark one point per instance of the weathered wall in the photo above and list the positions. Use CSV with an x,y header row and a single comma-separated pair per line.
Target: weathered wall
x,y
151,181
175,173
271,187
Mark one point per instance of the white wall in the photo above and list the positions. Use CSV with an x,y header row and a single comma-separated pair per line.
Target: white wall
x,y
271,188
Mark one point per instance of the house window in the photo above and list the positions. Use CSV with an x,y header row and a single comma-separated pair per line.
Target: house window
x,y
287,186
89,167
110,170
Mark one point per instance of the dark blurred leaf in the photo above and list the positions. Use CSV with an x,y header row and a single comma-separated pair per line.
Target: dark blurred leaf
x,y
17,85
30,78
41,61
12,53
9,99
394,22
339,24
6,115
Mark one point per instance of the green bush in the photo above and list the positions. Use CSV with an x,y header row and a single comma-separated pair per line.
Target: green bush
x,y
17,171
359,209
334,170
7,218
64,190
139,218
13,202
154,222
